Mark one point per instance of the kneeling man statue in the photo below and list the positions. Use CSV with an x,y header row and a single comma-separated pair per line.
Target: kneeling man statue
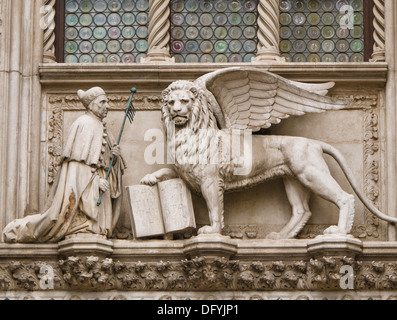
x,y
72,206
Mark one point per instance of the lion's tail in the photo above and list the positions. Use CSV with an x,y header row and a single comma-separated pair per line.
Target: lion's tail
x,y
328,149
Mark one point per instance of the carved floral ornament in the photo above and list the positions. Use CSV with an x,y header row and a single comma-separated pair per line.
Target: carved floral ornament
x,y
198,274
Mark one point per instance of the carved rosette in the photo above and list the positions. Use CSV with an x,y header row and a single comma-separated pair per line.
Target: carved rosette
x,y
159,36
58,104
49,34
199,274
268,32
379,54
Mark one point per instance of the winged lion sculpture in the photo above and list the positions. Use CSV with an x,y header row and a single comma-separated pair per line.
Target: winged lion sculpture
x,y
209,109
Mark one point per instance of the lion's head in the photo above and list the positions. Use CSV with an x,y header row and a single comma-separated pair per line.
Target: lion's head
x,y
186,105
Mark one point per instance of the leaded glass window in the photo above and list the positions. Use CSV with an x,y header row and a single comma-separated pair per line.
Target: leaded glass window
x,y
105,30
213,30
321,31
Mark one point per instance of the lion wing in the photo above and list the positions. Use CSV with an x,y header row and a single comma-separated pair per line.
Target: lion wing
x,y
252,99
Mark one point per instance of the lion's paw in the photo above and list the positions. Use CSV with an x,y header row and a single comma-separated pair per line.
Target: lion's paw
x,y
333,230
209,230
150,179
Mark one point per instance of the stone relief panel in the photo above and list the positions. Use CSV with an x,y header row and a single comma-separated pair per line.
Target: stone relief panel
x,y
61,108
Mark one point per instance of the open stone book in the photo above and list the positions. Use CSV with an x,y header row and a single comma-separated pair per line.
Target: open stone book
x,y
164,208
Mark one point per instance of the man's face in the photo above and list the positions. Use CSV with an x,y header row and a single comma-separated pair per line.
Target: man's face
x,y
100,107
180,103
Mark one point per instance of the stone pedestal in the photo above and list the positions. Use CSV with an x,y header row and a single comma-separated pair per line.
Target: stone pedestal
x,y
210,246
85,245
335,245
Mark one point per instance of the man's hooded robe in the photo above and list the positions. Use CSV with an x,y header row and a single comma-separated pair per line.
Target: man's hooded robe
x,y
72,206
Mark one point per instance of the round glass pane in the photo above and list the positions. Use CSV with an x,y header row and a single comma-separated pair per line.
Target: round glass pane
x,y
100,5
85,33
128,19
299,32
85,47
220,32
220,58
206,32
206,46
235,32
85,58
249,32
114,33
71,59
100,33
192,5
177,46
128,5
141,45
100,58
71,6
127,58
114,46
192,32
71,33
221,46
114,19
128,32
99,46
142,5
328,46
114,58
127,46
114,5
206,5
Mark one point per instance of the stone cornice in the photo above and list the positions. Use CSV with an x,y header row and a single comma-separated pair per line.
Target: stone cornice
x,y
156,250
161,74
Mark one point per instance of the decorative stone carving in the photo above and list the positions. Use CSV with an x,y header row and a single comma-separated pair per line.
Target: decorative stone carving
x,y
268,32
379,54
92,274
49,28
249,99
85,160
159,37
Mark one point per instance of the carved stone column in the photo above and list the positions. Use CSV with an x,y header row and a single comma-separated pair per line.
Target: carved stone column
x,y
379,54
48,24
268,32
159,36
20,108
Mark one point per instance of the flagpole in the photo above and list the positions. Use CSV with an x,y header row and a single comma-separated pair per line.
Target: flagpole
x,y
129,113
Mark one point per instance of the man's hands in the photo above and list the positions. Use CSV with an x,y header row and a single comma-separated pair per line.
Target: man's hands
x,y
116,150
104,185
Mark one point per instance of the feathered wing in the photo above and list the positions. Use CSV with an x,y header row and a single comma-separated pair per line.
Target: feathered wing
x,y
252,99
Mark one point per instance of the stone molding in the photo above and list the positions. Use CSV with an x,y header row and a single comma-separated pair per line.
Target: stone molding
x,y
160,75
315,269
